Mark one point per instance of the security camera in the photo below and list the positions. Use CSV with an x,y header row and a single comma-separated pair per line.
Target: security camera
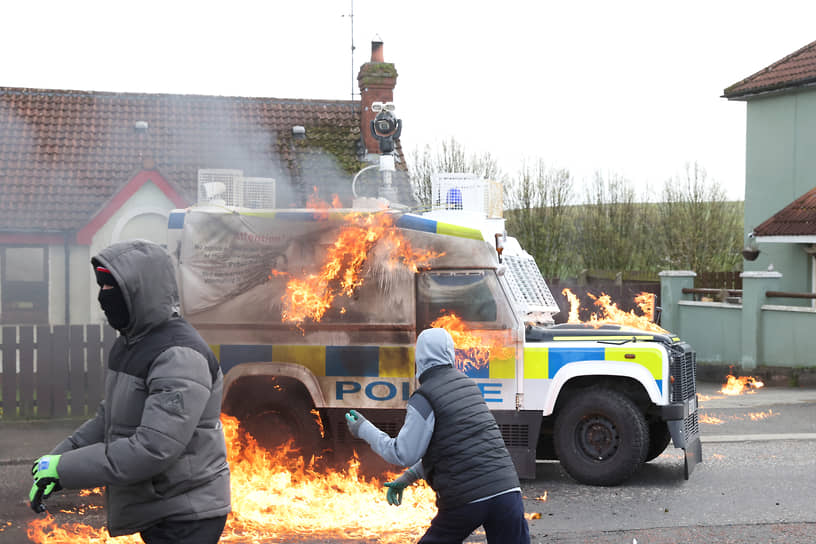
x,y
385,127
377,107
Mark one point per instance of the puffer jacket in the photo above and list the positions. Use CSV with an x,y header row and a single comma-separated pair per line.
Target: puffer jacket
x,y
156,442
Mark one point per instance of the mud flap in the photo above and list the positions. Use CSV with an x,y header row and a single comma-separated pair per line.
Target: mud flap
x,y
520,433
694,455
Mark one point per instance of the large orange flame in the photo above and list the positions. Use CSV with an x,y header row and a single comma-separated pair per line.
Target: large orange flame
x,y
610,313
738,386
342,272
474,347
278,496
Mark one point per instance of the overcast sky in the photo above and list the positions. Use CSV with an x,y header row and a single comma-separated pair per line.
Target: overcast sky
x,y
631,88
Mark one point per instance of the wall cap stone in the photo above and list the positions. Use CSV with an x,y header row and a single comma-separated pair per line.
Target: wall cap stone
x,y
678,273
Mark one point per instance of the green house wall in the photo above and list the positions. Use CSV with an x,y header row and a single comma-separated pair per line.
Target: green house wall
x,y
780,167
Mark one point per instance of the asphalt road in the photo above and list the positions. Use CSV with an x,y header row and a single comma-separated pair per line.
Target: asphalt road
x,y
755,485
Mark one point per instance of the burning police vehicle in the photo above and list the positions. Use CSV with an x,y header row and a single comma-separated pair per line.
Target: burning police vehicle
x,y
315,311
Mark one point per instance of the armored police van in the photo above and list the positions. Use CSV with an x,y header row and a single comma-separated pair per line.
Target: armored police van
x,y
315,311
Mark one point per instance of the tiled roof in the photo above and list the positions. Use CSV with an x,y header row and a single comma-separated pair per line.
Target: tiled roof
x,y
796,219
64,154
796,70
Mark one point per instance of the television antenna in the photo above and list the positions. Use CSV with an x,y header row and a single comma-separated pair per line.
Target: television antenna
x,y
350,15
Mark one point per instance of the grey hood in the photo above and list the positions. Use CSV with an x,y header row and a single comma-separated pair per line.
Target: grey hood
x,y
144,272
434,347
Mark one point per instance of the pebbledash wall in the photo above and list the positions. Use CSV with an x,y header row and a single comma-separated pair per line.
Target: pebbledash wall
x,y
758,332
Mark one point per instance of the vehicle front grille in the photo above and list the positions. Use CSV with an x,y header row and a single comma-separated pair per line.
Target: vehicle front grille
x,y
683,369
691,425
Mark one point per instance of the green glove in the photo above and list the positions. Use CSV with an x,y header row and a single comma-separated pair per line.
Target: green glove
x,y
355,420
46,480
394,493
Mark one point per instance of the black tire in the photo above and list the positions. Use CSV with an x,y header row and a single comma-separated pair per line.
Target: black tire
x,y
279,421
659,438
601,438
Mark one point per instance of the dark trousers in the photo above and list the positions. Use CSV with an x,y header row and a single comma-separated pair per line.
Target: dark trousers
x,y
200,531
502,518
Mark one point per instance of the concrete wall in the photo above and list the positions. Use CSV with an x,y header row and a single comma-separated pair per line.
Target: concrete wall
x,y
714,329
788,337
754,333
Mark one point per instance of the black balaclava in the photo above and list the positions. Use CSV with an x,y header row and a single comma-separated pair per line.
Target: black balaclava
x,y
112,300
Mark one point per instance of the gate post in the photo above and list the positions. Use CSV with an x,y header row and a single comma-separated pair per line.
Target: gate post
x,y
754,285
672,283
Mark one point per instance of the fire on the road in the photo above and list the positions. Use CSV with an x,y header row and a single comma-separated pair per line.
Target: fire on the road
x,y
279,495
753,416
739,385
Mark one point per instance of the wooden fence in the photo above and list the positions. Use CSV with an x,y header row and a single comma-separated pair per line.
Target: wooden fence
x,y
718,280
52,371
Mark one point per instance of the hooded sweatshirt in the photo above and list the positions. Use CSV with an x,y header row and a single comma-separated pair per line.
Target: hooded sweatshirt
x,y
156,441
449,434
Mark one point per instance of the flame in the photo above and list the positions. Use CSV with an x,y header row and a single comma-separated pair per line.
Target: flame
x,y
474,347
319,421
341,273
702,398
575,305
743,384
611,314
88,492
277,496
758,416
711,420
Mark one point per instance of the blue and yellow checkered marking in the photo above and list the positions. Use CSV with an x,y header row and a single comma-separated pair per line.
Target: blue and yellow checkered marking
x,y
544,363
398,361
369,361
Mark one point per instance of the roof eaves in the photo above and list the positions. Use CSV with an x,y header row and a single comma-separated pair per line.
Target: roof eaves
x,y
768,90
731,88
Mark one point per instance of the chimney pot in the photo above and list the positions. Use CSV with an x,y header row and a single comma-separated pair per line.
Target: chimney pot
x,y
377,51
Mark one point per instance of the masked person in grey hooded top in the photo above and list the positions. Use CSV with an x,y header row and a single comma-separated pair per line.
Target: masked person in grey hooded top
x,y
451,439
156,441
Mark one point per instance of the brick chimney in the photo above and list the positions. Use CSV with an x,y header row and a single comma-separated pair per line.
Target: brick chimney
x,y
376,80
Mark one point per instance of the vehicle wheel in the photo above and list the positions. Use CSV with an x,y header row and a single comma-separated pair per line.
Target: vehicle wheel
x,y
659,438
279,421
601,437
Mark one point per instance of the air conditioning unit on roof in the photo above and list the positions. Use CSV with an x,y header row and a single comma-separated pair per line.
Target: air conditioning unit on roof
x,y
259,192
225,187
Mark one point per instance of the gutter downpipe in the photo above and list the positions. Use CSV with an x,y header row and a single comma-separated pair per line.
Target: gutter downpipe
x,y
67,256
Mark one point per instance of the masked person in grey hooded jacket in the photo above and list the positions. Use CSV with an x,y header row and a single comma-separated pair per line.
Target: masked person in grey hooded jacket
x,y
451,439
156,442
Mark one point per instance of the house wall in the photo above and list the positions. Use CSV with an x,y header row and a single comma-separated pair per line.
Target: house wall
x,y
143,215
780,137
56,284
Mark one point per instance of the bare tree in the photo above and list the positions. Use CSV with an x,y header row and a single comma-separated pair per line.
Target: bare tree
x,y
611,227
537,204
699,228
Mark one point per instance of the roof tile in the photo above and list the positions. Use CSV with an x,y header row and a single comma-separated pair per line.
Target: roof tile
x,y
64,153
796,219
795,70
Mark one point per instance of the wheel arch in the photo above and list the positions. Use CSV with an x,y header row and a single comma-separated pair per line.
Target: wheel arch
x,y
266,372
583,374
